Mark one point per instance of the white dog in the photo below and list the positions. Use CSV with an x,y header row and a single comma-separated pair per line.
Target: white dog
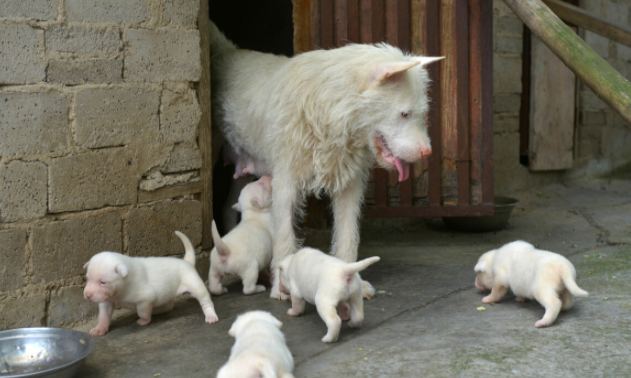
x,y
247,249
259,349
145,284
319,121
329,283
530,273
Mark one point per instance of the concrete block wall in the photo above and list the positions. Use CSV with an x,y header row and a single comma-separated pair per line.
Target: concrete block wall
x,y
97,102
602,137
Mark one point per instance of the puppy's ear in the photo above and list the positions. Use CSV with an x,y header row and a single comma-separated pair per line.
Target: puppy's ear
x,y
121,269
256,202
389,72
236,207
85,266
232,331
481,267
278,324
425,60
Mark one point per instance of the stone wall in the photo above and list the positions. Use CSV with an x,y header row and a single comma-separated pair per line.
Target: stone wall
x,y
97,102
602,137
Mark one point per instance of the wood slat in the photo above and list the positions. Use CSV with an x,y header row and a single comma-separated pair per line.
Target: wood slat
x,y
171,192
205,126
486,80
428,211
380,177
314,13
365,21
404,32
462,116
418,22
378,21
432,44
353,21
326,24
340,21
302,26
475,102
391,13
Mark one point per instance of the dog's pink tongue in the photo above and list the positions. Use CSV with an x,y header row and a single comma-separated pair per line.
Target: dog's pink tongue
x,y
403,168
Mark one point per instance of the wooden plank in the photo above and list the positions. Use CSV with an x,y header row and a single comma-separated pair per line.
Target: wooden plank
x,y
449,99
418,21
580,17
378,21
365,21
404,32
326,24
486,80
475,101
462,116
551,135
353,20
340,21
524,110
205,127
302,26
391,13
429,211
171,192
380,176
432,44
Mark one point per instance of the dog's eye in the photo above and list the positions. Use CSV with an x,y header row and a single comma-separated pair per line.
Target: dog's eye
x,y
103,282
405,115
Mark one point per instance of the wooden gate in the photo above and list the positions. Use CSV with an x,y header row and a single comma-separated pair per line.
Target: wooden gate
x,y
457,180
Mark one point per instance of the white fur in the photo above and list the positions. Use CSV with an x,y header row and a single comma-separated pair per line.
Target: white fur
x,y
331,284
531,274
319,121
247,249
147,285
259,349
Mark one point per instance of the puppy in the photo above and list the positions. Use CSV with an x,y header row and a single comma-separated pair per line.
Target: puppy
x,y
145,284
329,283
247,249
530,273
259,349
320,121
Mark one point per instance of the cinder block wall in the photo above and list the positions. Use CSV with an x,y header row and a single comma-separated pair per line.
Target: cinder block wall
x,y
97,103
602,137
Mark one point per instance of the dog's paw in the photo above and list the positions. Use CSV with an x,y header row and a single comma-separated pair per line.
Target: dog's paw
x,y
291,312
367,290
355,324
329,338
142,322
211,318
217,293
541,324
487,299
98,331
276,294
520,299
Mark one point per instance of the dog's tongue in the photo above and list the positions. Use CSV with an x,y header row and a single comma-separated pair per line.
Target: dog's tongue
x,y
403,168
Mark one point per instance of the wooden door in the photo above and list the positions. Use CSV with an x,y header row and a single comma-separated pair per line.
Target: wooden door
x,y
457,180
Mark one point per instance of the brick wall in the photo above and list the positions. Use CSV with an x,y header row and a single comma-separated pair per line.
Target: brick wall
x,y
96,103
602,137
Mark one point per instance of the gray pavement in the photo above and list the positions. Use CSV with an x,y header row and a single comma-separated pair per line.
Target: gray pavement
x,y
426,321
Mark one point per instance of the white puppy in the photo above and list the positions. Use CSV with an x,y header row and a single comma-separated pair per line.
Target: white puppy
x,y
145,284
329,283
247,249
530,273
259,349
319,121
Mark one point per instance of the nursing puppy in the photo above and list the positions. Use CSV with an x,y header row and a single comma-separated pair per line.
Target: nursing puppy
x,y
530,273
247,249
319,121
329,283
145,284
259,349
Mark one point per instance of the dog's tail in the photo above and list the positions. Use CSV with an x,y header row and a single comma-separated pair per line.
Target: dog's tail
x,y
356,267
222,248
218,41
570,284
189,255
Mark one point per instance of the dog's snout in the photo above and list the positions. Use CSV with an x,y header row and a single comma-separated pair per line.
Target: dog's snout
x,y
426,152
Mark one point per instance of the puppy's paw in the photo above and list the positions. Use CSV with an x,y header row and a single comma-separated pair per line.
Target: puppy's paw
x,y
329,338
142,322
355,324
488,299
211,318
541,324
291,312
521,299
217,293
367,290
276,294
98,331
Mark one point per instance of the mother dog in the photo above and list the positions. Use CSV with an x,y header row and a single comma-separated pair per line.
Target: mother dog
x,y
319,120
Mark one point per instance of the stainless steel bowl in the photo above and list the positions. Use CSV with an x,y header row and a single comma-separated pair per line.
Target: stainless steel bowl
x,y
43,352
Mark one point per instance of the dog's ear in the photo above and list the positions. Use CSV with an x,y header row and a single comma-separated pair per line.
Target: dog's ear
x,y
85,266
236,207
256,202
481,267
388,72
278,323
121,269
232,331
425,60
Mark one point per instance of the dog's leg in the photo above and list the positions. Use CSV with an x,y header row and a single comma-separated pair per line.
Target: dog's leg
x,y
284,195
214,283
347,208
297,306
105,316
144,310
194,285
550,300
250,276
497,293
328,313
357,310
567,299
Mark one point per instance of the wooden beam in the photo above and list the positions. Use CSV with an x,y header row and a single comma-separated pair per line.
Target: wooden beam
x,y
599,76
171,192
205,127
581,18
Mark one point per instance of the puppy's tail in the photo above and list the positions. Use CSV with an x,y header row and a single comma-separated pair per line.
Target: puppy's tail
x,y
218,41
356,267
222,248
570,284
189,255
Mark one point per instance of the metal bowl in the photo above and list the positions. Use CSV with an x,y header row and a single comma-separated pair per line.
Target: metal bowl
x,y
503,209
43,352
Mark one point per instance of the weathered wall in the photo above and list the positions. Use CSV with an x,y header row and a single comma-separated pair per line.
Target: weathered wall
x,y
602,137
96,103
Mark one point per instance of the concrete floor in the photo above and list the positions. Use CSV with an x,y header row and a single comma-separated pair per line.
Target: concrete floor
x,y
426,322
